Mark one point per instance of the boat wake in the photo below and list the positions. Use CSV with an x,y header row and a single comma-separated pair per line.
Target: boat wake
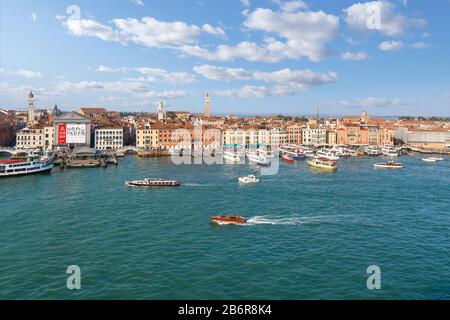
x,y
293,221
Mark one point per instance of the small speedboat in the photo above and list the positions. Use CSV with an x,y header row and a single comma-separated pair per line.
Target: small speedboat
x,y
287,159
429,160
228,219
248,179
148,183
389,165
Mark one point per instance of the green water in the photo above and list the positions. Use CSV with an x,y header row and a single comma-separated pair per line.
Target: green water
x,y
312,235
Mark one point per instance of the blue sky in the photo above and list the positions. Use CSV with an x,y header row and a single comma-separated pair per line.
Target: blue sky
x,y
253,57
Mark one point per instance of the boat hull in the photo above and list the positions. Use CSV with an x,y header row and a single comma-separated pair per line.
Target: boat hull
x,y
313,164
221,220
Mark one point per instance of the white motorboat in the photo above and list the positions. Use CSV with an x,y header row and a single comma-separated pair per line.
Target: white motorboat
x,y
429,160
328,154
258,159
248,179
389,151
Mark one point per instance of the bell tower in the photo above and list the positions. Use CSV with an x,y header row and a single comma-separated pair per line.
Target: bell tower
x,y
31,121
207,106
161,112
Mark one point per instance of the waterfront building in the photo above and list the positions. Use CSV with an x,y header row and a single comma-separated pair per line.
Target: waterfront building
x,y
49,135
31,116
331,137
350,133
294,134
278,136
313,135
207,106
6,129
30,138
432,139
72,130
108,138
147,136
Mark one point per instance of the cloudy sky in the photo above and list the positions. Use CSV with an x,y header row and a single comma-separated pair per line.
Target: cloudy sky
x,y
252,56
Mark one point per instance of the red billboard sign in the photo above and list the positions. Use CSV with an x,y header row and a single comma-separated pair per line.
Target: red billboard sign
x,y
62,129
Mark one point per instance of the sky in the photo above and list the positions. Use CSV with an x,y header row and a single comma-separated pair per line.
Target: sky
x,y
287,57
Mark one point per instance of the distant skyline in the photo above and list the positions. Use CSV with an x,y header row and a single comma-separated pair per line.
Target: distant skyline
x,y
252,56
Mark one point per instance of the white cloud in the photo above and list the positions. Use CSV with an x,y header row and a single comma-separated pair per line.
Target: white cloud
x,y
138,2
306,32
257,92
111,70
297,78
157,75
22,73
371,102
391,45
292,6
303,34
91,28
420,45
245,3
355,56
287,82
358,15
148,31
116,86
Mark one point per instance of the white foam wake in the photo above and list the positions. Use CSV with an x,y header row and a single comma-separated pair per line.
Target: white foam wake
x,y
293,221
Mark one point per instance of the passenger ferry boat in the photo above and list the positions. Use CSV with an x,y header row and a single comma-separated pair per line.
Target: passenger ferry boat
x,y
389,165
389,151
323,163
328,154
293,152
148,183
29,165
228,220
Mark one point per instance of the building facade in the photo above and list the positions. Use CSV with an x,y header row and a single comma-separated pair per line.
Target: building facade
x,y
108,138
72,130
314,136
30,138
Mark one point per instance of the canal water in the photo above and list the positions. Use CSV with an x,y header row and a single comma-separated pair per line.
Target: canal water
x,y
312,235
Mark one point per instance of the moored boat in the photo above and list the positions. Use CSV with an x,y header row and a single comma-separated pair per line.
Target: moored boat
x,y
323,163
389,165
389,151
287,159
148,183
221,219
328,154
